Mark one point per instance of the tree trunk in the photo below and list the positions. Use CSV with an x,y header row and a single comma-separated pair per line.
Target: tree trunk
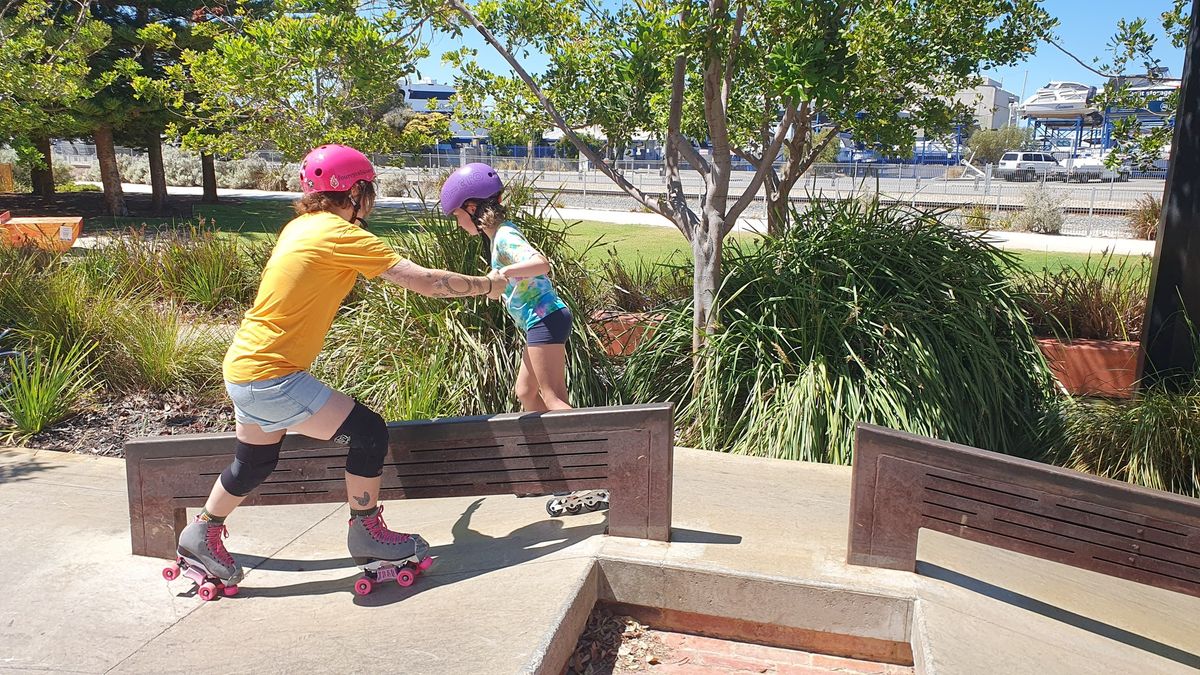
x,y
110,176
706,254
777,206
43,179
158,177
208,167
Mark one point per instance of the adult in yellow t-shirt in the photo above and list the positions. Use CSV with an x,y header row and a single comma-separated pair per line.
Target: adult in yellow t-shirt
x,y
313,267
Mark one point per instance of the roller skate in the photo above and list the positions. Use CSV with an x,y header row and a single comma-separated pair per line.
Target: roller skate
x,y
573,503
384,555
201,557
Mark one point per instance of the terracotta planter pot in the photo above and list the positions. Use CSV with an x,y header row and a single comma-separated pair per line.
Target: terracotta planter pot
x,y
622,332
1093,367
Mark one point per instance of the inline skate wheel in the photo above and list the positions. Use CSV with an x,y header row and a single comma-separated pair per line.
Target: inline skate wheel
x,y
405,577
363,586
208,591
171,573
573,509
553,509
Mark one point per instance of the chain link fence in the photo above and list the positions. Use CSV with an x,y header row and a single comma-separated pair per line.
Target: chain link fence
x,y
1094,208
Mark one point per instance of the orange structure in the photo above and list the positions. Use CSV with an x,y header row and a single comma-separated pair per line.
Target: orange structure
x,y
55,233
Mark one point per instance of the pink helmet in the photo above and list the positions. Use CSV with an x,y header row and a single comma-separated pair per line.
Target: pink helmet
x,y
334,168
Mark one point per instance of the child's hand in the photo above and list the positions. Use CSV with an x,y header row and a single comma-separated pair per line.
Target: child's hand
x,y
498,283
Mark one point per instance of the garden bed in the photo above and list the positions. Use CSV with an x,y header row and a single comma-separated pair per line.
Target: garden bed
x,y
104,427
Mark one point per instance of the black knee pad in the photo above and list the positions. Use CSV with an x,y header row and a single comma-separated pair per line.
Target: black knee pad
x,y
365,432
251,466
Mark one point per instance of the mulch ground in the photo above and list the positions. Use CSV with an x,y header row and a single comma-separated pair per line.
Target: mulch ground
x,y
107,424
615,644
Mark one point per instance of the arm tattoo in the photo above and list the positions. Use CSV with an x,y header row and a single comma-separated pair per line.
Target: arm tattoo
x,y
435,283
451,285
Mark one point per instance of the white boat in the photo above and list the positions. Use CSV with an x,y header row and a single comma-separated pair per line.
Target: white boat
x,y
1060,99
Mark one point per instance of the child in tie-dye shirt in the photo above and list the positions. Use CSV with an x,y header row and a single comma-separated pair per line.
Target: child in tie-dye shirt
x,y
472,194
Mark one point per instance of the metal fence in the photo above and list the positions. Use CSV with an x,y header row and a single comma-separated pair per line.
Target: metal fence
x,y
1095,208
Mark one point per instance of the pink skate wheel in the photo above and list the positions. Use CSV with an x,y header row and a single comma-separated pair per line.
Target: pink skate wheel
x,y
363,586
208,591
424,564
230,591
405,577
171,573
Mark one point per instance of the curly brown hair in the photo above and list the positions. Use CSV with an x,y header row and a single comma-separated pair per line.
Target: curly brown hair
x,y
490,212
315,202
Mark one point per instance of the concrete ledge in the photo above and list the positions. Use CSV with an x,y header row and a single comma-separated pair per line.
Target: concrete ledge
x,y
819,617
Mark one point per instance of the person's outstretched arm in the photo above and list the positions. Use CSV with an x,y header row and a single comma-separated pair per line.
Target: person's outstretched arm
x,y
534,266
441,283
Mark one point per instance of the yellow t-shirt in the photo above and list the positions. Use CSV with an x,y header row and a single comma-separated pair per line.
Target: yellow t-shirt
x,y
312,269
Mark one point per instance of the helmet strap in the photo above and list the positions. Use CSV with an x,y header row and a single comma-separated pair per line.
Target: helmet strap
x,y
354,219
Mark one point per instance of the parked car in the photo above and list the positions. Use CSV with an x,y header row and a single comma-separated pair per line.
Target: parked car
x,y
1084,169
1026,165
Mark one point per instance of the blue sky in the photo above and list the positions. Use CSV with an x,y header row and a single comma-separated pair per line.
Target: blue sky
x,y
1085,28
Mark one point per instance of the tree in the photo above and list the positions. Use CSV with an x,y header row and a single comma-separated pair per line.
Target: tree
x,y
750,78
989,145
296,78
43,72
1131,61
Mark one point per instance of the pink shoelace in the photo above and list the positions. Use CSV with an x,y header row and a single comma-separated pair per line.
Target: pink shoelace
x,y
379,532
216,546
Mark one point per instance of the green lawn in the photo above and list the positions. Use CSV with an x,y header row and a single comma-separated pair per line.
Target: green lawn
x,y
254,218
1039,261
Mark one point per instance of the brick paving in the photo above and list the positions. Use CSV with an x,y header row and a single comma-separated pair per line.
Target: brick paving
x,y
696,655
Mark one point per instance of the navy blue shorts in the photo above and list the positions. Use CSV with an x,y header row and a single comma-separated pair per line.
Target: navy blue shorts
x,y
554,329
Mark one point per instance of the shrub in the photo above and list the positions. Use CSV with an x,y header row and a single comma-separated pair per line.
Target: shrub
x,y
119,299
156,349
641,286
870,313
1104,299
1143,220
1153,440
181,168
205,268
64,173
45,384
245,174
393,184
1043,211
976,217
989,145
133,169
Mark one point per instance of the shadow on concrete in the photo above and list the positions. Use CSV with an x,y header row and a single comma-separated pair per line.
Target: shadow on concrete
x,y
680,535
471,554
1079,621
23,469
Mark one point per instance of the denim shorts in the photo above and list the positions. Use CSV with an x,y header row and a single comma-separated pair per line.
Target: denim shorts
x,y
554,329
280,402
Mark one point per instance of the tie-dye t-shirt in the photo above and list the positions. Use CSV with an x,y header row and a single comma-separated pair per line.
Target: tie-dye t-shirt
x,y
528,300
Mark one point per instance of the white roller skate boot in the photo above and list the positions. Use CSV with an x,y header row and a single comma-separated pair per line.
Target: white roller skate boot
x,y
573,503
384,555
201,557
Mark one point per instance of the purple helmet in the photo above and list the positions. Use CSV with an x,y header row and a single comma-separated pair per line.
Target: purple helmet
x,y
473,181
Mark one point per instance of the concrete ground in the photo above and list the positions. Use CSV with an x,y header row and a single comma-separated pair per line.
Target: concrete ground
x,y
754,540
